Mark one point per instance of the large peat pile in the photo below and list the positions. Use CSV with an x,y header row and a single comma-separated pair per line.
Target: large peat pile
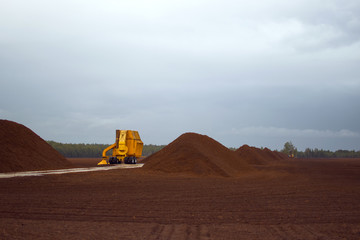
x,y
257,156
196,154
22,150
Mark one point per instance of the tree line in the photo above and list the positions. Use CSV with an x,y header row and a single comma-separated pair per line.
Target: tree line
x,y
290,149
82,150
321,153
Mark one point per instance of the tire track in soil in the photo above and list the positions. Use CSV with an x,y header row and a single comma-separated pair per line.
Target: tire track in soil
x,y
178,232
311,231
286,232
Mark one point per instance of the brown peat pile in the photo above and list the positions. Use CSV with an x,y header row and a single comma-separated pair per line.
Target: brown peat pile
x,y
257,156
199,155
23,150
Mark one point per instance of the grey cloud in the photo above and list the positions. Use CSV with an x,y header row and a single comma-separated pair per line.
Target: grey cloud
x,y
76,70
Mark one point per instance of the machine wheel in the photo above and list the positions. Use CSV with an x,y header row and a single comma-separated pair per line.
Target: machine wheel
x,y
130,160
114,160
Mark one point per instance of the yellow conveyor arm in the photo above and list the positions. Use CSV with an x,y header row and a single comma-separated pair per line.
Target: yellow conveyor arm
x,y
104,157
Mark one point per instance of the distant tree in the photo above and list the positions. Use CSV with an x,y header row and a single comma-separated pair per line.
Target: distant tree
x,y
289,149
308,153
150,149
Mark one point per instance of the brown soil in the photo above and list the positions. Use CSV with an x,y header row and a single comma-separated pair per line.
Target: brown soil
x,y
313,199
22,150
256,156
297,199
84,162
196,154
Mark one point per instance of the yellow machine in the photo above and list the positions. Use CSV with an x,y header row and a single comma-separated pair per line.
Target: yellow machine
x,y
127,147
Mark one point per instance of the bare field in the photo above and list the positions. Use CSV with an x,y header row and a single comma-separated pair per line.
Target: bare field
x,y
305,199
84,162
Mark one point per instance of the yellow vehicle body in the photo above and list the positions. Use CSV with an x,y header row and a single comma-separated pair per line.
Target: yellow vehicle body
x,y
126,149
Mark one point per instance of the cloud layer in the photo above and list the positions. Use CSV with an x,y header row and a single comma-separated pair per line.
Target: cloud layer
x,y
74,71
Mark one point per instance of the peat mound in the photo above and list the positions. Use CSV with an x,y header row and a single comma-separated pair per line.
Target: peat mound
x,y
23,150
199,155
257,156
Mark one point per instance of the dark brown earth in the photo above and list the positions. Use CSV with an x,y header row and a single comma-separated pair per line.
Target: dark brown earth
x,y
84,162
257,156
195,188
199,155
22,150
303,199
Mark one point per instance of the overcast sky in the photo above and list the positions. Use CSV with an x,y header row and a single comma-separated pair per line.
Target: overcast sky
x,y
242,72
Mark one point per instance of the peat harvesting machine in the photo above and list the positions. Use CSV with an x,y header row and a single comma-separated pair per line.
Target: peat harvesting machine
x,y
126,149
